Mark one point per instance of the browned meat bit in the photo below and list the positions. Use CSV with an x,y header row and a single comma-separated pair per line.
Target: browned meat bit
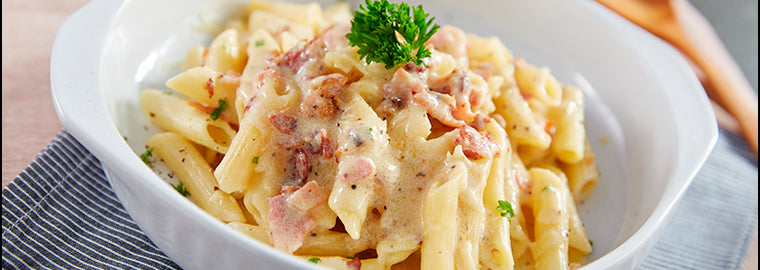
x,y
354,264
283,122
300,54
458,85
210,87
398,92
302,167
439,106
323,100
476,145
320,144
480,121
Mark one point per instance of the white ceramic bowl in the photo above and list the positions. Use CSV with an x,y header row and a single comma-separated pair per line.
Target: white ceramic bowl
x,y
642,100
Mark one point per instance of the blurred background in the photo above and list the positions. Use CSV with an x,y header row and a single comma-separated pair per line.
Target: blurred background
x,y
735,21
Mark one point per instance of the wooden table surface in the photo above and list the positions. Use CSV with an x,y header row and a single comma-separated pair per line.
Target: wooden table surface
x,y
29,118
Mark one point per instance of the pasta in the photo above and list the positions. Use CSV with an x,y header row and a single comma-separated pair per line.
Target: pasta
x,y
475,159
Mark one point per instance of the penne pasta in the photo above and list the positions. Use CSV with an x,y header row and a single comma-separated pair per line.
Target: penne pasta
x,y
470,158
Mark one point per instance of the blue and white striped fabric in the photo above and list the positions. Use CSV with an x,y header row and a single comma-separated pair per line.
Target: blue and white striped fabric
x,y
61,213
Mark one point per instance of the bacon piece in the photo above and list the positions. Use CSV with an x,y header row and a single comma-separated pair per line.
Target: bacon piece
x,y
352,169
484,69
283,122
288,226
335,36
302,167
398,92
308,197
288,142
295,58
476,145
354,264
322,101
327,148
206,109
480,122
451,40
439,106
458,85
210,87
320,144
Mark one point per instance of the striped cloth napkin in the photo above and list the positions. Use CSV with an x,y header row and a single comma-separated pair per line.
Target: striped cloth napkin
x,y
61,213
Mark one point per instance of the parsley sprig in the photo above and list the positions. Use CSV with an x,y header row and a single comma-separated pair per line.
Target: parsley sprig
x,y
506,209
392,34
146,156
180,188
222,106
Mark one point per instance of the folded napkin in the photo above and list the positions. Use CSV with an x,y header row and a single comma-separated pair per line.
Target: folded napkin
x,y
61,213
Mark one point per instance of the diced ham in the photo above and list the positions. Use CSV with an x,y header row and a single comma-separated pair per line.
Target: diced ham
x,y
398,92
283,122
287,225
308,197
322,101
476,145
352,169
439,106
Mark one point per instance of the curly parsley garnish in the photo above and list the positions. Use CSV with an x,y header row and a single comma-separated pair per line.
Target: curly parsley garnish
x,y
506,209
146,156
392,34
181,188
222,106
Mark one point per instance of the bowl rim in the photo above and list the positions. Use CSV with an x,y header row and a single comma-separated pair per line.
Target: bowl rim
x,y
81,108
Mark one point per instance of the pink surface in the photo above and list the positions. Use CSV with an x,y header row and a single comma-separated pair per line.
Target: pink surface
x,y
29,119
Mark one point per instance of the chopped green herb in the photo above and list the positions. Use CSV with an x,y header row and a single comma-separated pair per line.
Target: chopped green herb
x,y
146,156
591,243
259,43
125,138
547,187
506,209
255,160
181,188
314,260
222,106
224,47
350,257
393,34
